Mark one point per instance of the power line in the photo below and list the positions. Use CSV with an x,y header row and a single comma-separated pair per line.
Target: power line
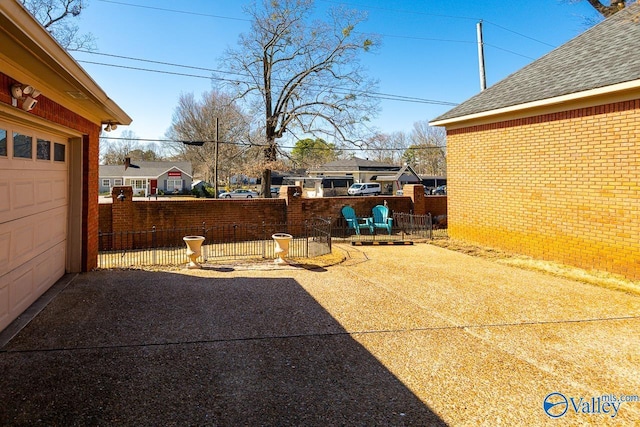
x,y
242,144
415,12
364,7
375,95
176,11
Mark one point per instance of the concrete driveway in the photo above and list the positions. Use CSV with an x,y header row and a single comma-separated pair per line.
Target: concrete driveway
x,y
395,335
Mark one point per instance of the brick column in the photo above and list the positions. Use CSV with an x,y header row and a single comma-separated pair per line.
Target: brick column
x,y
416,192
293,197
121,216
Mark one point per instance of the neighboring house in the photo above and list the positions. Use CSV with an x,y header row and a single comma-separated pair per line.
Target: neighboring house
x,y
393,182
547,161
356,170
51,114
147,178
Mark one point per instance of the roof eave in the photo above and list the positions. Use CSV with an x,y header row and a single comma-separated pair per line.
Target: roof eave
x,y
625,90
32,56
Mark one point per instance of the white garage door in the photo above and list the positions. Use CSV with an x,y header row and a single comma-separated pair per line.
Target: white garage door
x,y
33,216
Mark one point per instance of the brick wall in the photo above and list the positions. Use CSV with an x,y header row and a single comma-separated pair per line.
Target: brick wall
x,y
563,186
143,215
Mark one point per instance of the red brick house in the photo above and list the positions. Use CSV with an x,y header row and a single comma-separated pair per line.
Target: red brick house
x,y
547,161
51,113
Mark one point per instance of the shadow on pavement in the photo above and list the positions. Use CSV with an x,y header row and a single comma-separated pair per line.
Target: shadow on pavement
x,y
156,348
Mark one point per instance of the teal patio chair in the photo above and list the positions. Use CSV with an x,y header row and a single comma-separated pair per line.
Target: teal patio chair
x,y
353,222
381,219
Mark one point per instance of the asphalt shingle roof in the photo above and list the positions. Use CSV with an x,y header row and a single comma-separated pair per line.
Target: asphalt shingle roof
x,y
604,55
356,163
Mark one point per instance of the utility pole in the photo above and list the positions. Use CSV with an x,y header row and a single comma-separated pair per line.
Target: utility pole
x,y
483,78
215,162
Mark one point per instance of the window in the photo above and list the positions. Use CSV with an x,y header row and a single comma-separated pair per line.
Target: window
x,y
117,182
59,152
43,149
22,145
3,142
174,184
106,183
137,183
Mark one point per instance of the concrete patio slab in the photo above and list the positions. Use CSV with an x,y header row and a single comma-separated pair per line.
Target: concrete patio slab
x,y
412,335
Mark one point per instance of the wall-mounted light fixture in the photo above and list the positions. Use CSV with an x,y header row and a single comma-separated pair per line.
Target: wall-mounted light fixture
x,y
26,94
121,196
110,126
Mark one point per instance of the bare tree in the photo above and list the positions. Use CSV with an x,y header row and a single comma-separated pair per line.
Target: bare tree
x,y
380,148
610,9
113,152
427,153
194,122
57,17
302,76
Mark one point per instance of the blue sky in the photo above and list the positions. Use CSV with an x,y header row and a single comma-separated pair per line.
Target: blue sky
x,y
428,50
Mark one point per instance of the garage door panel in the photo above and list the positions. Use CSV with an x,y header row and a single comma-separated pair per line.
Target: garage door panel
x,y
27,197
50,230
20,289
5,244
42,234
22,242
32,236
44,192
58,225
4,195
59,190
5,317
49,267
23,194
23,286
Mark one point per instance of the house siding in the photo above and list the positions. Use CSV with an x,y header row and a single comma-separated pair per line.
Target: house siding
x,y
562,186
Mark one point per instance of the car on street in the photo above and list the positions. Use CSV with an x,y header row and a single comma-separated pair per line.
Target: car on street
x,y
364,189
240,193
441,190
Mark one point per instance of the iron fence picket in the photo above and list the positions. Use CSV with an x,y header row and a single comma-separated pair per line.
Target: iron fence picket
x,y
166,247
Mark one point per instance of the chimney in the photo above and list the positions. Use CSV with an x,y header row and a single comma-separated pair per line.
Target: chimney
x,y
127,162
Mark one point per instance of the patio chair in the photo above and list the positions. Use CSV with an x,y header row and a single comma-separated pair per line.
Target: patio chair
x,y
381,219
353,221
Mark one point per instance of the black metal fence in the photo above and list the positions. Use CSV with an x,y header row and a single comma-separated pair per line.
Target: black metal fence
x,y
166,247
419,225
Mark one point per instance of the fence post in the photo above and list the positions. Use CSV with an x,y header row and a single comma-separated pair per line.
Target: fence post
x,y
306,238
100,247
154,243
264,240
204,247
329,234
235,226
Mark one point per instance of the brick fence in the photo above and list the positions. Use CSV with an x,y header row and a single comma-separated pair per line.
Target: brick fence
x,y
129,215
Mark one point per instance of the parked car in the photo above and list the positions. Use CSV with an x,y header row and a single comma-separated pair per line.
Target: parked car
x,y
238,194
364,189
440,190
275,191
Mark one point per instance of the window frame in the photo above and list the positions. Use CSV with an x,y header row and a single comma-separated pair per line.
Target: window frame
x,y
30,139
